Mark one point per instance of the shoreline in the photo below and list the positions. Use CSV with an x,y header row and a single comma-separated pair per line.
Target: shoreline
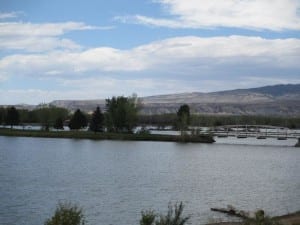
x,y
287,219
106,136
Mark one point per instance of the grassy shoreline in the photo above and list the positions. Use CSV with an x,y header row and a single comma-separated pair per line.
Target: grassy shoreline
x,y
105,136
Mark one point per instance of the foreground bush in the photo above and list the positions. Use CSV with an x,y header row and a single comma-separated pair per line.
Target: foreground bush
x,y
148,217
173,217
66,214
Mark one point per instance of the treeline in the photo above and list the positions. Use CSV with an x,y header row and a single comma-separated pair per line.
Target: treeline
x,y
45,116
120,116
218,120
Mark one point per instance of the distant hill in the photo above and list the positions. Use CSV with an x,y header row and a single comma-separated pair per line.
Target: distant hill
x,y
253,95
281,100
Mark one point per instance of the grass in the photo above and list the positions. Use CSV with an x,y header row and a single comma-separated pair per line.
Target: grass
x,y
105,136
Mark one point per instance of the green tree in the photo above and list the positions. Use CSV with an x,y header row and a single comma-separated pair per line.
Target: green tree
x,y
59,124
97,120
47,115
121,114
78,120
12,117
183,117
67,214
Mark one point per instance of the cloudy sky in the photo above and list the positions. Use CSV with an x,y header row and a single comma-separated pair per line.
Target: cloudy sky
x,y
91,49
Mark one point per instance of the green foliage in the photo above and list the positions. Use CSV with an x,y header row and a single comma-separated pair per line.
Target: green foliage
x,y
121,114
44,115
183,117
174,216
12,116
203,120
78,120
66,214
148,217
217,120
97,121
47,115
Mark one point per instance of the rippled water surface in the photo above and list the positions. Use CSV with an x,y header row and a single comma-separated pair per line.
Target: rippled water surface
x,y
113,180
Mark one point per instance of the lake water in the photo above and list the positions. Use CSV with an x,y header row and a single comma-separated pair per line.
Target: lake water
x,y
113,180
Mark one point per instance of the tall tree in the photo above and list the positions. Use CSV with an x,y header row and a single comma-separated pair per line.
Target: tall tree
x,y
78,120
183,117
97,120
12,117
121,114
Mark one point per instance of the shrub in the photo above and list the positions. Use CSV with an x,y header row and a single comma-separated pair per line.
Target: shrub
x,y
148,217
66,214
174,216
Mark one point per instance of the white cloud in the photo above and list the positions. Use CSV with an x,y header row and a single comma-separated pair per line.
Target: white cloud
x,y
255,14
34,37
44,29
37,44
189,55
181,64
8,15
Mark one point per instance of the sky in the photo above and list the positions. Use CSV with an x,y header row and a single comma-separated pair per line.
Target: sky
x,y
95,49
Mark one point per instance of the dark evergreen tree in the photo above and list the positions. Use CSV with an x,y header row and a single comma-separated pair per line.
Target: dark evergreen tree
x,y
97,120
183,117
2,115
78,120
59,124
12,117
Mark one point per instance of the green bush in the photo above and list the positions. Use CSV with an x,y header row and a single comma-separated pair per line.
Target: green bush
x,y
148,217
67,214
173,217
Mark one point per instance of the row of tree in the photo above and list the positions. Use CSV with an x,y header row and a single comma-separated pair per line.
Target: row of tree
x,y
120,116
9,116
46,116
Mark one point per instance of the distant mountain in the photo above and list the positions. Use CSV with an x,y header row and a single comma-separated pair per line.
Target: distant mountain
x,y
281,100
253,95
